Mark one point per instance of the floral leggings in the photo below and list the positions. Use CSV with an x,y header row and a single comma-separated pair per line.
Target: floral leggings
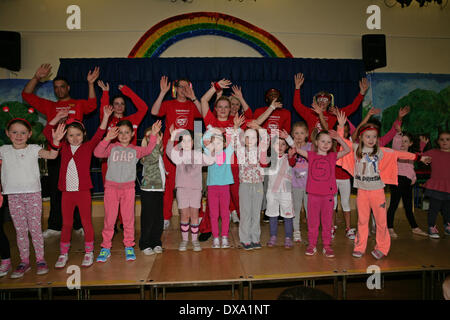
x,y
26,212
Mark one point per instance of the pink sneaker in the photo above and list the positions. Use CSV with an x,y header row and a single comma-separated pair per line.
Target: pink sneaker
x,y
272,241
328,252
42,268
377,254
20,271
5,267
310,251
288,243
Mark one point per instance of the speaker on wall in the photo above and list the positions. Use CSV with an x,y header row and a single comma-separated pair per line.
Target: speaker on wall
x,y
10,50
374,51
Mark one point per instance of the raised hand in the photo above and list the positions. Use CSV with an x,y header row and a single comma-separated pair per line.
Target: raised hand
x,y
283,134
237,92
426,159
164,84
189,92
120,86
334,135
156,127
224,83
62,114
424,139
238,121
403,112
253,125
292,152
102,85
276,104
298,79
108,111
374,111
341,117
112,134
363,86
59,133
333,110
317,109
43,71
93,75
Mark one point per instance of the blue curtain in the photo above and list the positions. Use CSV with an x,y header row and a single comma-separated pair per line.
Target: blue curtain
x,y
254,75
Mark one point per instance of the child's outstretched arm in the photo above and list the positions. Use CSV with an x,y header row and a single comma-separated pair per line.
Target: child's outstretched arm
x,y
61,115
396,126
284,135
345,148
370,113
142,152
102,150
57,136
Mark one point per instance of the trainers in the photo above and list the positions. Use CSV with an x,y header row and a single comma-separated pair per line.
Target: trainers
x,y
310,251
280,219
148,251
333,232
129,254
288,243
166,224
216,243
392,233
247,246
5,267
297,236
104,255
433,233
447,229
50,233
357,254
377,254
272,241
225,244
234,217
196,246
266,218
158,249
183,245
88,259
351,233
80,232
42,268
328,252
256,245
62,260
419,232
20,271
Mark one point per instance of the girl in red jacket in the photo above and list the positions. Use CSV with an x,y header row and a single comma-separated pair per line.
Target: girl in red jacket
x,y
75,181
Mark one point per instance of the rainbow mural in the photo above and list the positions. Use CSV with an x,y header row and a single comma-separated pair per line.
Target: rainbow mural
x,y
165,33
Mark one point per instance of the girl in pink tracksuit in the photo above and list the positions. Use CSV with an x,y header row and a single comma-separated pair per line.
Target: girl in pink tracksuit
x,y
321,186
119,182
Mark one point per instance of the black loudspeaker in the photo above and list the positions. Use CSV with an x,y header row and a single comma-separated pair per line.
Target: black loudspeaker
x,y
10,50
374,51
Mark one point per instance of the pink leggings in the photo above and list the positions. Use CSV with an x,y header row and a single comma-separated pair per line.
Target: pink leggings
x,y
219,204
26,213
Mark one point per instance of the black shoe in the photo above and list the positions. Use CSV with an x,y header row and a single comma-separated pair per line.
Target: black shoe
x,y
280,219
204,236
266,219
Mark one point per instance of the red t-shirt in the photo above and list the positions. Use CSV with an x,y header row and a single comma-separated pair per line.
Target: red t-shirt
x,y
49,108
341,174
278,119
135,118
180,114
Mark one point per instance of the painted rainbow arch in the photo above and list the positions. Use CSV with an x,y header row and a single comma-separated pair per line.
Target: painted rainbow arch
x,y
165,33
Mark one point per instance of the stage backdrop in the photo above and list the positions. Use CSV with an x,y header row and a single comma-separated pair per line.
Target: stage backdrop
x,y
428,95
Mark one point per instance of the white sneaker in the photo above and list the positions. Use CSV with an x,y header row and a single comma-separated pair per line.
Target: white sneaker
x,y
183,246
216,243
225,243
196,246
234,217
333,231
166,224
297,236
392,233
88,259
148,251
50,233
158,249
62,260
351,233
80,232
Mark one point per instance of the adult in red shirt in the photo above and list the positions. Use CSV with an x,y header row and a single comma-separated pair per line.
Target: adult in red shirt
x,y
76,108
279,119
324,101
179,112
221,118
119,107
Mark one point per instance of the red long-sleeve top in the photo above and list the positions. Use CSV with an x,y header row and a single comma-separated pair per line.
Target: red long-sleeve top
x,y
135,118
82,158
312,119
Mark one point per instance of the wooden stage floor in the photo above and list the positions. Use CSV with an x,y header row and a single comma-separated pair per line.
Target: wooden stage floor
x,y
233,267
